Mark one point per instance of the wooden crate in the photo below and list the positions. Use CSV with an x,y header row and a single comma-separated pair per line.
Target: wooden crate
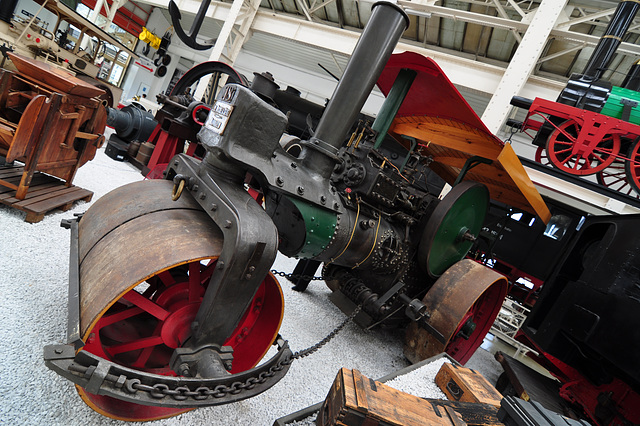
x,y
466,385
357,400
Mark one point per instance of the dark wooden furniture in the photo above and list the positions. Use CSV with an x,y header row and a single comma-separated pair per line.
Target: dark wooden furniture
x,y
50,121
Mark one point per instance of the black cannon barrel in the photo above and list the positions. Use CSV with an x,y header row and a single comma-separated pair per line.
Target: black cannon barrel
x,y
131,123
611,39
374,48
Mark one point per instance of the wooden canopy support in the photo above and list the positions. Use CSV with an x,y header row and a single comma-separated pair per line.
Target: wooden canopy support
x,y
451,144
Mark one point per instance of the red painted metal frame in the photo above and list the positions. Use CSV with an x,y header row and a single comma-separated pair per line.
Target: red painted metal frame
x,y
523,294
594,126
577,389
166,146
633,166
124,18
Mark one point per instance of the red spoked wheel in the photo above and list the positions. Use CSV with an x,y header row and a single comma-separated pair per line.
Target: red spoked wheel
x,y
541,156
568,153
632,167
145,263
615,177
463,303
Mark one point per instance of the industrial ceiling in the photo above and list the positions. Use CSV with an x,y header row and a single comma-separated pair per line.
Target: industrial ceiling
x,y
486,31
481,32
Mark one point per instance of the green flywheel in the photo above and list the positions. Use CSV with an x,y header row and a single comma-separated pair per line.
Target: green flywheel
x,y
453,226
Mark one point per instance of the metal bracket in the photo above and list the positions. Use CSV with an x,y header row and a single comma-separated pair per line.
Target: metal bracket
x,y
73,317
470,164
249,249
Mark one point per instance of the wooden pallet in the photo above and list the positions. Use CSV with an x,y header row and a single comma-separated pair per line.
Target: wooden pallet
x,y
46,193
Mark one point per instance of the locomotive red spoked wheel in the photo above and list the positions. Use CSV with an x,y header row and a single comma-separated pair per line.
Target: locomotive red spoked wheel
x,y
615,177
145,262
580,157
632,166
463,304
541,156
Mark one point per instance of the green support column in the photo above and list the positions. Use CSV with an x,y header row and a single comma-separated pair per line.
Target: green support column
x,y
392,104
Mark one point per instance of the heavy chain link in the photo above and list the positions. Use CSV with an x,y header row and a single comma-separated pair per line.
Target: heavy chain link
x,y
294,277
327,339
182,393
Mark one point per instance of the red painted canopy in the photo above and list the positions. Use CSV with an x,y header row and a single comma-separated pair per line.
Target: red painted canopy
x,y
446,128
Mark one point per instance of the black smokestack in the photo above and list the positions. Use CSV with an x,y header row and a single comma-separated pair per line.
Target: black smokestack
x,y
372,52
611,39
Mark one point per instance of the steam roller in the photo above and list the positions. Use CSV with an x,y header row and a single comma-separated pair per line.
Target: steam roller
x,y
172,305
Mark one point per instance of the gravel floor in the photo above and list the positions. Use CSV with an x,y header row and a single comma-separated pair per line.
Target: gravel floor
x,y
33,313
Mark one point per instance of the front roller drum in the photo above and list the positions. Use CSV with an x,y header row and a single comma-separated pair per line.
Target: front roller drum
x,y
463,304
145,263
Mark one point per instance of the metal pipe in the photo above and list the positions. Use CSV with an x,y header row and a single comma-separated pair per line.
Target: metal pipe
x,y
374,48
392,104
632,80
611,39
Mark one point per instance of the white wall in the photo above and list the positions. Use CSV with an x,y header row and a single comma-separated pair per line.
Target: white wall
x,y
32,7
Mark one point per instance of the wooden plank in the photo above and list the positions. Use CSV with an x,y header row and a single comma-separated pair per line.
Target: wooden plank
x,y
357,400
28,128
76,194
35,191
360,392
11,171
512,165
54,195
36,211
45,194
473,413
59,79
8,193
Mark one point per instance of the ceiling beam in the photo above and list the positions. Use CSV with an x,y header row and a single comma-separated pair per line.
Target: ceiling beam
x,y
585,18
509,24
486,77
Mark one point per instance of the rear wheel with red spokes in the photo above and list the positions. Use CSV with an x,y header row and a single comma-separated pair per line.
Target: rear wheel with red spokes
x,y
581,158
615,177
541,156
632,166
